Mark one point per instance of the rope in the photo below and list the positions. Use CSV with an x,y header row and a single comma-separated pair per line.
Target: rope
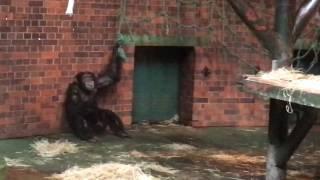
x,y
288,93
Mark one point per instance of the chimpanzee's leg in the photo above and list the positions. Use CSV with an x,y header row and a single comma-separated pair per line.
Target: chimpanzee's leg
x,y
98,122
115,123
81,128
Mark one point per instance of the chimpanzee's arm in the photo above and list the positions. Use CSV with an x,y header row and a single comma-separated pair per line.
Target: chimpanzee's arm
x,y
73,101
112,72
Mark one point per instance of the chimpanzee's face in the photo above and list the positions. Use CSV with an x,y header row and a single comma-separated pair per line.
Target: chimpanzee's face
x,y
88,82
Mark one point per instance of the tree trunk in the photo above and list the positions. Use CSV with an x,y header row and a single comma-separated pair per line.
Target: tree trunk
x,y
273,171
278,133
279,43
282,27
281,144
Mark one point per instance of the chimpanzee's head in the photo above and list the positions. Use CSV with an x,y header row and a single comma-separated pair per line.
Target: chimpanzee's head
x,y
86,80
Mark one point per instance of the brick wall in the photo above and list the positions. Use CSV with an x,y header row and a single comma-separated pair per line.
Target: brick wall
x,y
187,87
41,49
234,51
217,99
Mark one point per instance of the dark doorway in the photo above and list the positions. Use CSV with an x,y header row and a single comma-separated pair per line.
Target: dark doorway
x,y
157,78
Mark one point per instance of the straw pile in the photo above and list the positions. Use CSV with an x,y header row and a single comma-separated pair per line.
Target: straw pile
x,y
292,79
179,147
239,159
46,149
158,168
14,162
171,122
110,171
138,154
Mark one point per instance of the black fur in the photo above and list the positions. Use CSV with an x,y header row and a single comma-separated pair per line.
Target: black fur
x,y
84,116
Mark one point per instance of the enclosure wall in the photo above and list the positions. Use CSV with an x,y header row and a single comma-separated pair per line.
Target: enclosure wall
x,y
41,49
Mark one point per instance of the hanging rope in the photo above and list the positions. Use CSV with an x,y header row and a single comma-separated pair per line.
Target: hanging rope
x,y
288,94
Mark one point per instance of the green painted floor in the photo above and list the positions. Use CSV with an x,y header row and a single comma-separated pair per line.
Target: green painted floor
x,y
216,153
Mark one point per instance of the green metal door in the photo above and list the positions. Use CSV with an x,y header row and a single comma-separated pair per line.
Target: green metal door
x,y
156,84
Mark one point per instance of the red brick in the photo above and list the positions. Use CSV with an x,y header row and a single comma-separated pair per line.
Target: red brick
x,y
5,2
36,3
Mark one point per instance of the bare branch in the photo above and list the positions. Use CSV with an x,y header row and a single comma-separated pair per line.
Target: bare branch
x,y
278,49
283,19
306,11
248,16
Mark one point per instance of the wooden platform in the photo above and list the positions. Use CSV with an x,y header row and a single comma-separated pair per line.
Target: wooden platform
x,y
278,90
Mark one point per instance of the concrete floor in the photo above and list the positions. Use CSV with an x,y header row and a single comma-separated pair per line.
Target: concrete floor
x,y
212,153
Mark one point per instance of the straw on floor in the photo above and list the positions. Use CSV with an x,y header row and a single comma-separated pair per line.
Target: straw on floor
x,y
44,148
110,171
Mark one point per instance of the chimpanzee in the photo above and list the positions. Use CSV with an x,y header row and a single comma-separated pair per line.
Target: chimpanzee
x,y
84,116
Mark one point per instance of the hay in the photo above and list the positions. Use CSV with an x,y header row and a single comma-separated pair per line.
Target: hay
x,y
46,149
179,147
158,168
293,174
153,130
249,130
173,121
138,154
110,171
282,74
238,159
14,162
292,79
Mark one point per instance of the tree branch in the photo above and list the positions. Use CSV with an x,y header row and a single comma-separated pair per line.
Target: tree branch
x,y
271,41
250,18
283,19
305,13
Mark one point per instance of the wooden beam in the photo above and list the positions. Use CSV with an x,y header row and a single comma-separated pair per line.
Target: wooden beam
x,y
299,132
277,136
281,144
267,90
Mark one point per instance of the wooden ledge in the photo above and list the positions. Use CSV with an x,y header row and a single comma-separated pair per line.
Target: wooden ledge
x,y
278,90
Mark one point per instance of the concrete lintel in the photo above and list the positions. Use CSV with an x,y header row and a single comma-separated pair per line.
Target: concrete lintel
x,y
146,40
